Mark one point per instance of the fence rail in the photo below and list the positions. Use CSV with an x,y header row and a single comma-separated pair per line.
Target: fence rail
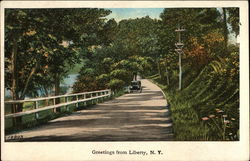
x,y
77,98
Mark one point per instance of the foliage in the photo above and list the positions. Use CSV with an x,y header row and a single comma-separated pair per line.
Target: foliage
x,y
116,84
129,53
40,49
87,83
202,52
234,19
207,108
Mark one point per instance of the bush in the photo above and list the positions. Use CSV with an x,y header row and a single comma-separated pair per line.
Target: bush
x,y
116,84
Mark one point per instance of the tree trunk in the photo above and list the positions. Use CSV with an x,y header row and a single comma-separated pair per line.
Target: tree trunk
x,y
167,75
28,80
159,68
225,30
17,121
135,76
46,95
57,91
14,71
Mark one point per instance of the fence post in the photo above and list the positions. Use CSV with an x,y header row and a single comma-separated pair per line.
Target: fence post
x,y
13,110
36,107
66,100
92,101
54,103
102,93
77,104
97,99
107,92
84,97
110,93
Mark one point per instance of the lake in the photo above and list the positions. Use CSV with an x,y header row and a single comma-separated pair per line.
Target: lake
x,y
67,83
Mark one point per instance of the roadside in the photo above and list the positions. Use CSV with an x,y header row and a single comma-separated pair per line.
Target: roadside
x,y
131,117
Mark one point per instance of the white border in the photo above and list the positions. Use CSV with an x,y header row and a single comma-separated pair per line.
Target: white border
x,y
238,150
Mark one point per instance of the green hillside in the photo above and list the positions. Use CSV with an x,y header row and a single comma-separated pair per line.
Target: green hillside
x,y
207,108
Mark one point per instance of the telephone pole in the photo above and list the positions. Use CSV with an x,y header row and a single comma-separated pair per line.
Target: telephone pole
x,y
179,45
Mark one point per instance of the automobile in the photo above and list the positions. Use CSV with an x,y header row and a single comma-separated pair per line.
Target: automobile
x,y
135,86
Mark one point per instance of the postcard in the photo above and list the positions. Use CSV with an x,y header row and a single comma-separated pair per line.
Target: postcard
x,y
124,80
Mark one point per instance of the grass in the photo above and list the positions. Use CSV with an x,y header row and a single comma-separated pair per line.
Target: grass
x,y
194,109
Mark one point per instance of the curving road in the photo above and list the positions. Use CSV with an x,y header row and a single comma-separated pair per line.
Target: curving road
x,y
131,117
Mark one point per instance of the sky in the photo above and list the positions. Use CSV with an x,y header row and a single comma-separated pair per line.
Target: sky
x,y
125,13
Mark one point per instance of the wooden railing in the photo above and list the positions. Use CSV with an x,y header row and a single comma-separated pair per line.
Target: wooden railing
x,y
75,99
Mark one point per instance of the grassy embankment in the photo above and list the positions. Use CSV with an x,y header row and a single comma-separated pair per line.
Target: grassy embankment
x,y
207,108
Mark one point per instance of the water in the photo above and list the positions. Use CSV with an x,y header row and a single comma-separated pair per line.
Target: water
x,y
70,80
67,83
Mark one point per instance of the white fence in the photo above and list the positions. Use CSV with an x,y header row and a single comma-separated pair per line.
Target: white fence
x,y
75,99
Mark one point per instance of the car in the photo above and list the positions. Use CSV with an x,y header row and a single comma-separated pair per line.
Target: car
x,y
135,86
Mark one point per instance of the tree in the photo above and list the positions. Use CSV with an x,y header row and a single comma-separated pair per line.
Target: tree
x,y
129,49
197,22
35,52
225,29
234,20
109,32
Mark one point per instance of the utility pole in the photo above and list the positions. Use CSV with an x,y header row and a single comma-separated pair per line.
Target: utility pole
x,y
179,45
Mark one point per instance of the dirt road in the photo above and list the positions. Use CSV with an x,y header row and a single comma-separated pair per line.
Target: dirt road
x,y
131,117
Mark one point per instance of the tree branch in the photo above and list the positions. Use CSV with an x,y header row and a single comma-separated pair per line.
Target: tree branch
x,y
28,81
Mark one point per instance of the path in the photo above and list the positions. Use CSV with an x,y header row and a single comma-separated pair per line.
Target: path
x,y
131,117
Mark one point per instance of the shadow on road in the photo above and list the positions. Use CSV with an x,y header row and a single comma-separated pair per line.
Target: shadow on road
x,y
131,117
